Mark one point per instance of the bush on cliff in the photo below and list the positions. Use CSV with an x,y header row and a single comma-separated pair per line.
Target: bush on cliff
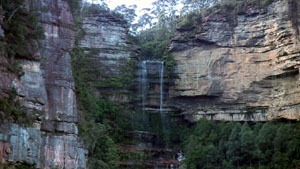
x,y
11,110
21,29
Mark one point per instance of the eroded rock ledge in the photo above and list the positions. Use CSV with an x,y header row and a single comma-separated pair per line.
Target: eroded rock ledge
x,y
246,70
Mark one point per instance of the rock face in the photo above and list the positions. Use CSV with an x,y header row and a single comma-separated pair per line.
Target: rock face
x,y
244,68
48,86
107,42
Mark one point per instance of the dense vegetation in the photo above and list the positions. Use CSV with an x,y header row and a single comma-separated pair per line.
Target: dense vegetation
x,y
236,145
96,114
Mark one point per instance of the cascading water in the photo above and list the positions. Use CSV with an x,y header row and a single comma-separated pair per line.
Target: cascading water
x,y
161,87
161,101
152,123
143,84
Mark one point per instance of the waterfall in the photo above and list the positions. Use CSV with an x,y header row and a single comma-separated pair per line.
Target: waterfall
x,y
161,101
198,73
161,87
143,83
152,118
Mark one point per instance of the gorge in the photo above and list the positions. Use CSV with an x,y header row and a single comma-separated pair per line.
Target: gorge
x,y
77,90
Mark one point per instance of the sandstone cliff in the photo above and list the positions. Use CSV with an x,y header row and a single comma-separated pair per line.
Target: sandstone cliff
x,y
243,67
106,40
47,85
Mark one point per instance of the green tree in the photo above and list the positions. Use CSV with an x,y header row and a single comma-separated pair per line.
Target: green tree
x,y
225,132
128,12
248,146
260,145
293,146
89,9
234,146
265,142
196,5
145,21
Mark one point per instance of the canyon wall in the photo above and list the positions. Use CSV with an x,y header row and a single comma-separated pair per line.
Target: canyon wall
x,y
46,86
242,67
239,67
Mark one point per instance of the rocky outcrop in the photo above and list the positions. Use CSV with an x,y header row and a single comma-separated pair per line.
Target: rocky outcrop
x,y
47,85
106,40
241,68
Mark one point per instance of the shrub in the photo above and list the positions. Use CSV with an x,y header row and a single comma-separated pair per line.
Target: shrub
x,y
94,9
13,111
189,21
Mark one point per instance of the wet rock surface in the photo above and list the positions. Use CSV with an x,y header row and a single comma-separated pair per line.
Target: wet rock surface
x,y
246,70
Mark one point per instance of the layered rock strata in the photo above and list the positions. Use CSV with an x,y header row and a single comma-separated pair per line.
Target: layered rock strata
x,y
106,40
241,68
47,85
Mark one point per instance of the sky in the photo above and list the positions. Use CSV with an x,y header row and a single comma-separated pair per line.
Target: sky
x,y
140,4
